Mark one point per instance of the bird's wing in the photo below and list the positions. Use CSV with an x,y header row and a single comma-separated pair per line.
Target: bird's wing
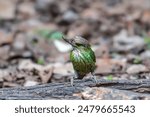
x,y
92,55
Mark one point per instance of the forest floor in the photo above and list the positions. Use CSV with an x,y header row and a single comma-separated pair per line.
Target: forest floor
x,y
32,51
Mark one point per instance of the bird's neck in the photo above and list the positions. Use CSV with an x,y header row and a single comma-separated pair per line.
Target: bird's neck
x,y
79,48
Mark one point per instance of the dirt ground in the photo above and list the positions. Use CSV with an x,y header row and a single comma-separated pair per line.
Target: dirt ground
x,y
32,51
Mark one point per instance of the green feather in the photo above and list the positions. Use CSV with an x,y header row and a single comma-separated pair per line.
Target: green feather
x,y
83,60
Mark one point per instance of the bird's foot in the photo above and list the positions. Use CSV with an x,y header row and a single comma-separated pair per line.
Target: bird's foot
x,y
94,79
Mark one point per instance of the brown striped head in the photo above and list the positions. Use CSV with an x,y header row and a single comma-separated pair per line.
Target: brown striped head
x,y
77,41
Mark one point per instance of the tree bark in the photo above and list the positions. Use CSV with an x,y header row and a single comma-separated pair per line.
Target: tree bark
x,y
131,89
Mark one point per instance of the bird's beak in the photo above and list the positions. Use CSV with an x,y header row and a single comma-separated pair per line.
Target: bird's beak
x,y
67,40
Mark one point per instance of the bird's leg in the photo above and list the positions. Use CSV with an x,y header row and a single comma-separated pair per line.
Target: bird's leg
x,y
94,77
71,81
72,78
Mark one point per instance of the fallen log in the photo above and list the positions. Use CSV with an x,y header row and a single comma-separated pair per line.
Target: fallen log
x,y
82,89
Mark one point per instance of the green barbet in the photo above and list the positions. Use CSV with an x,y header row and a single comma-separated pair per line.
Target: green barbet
x,y
82,57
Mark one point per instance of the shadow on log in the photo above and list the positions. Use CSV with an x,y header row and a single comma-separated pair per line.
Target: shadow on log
x,y
82,89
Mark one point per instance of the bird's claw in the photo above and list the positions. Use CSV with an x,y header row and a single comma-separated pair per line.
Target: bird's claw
x,y
95,80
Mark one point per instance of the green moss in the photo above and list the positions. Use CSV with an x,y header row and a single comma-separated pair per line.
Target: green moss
x,y
40,61
137,61
109,77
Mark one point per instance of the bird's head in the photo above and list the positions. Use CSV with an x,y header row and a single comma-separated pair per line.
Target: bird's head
x,y
77,41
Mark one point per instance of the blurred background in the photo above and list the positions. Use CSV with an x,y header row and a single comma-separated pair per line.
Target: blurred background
x,y
32,51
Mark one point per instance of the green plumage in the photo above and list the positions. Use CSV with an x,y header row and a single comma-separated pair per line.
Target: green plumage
x,y
83,60
82,56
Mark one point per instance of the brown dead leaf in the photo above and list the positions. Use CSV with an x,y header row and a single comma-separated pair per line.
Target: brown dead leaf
x,y
119,10
26,10
146,16
135,69
46,74
5,38
1,79
79,29
7,9
91,13
63,69
10,84
19,42
4,52
107,65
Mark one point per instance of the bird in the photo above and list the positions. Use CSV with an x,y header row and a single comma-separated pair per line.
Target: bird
x,y
82,57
